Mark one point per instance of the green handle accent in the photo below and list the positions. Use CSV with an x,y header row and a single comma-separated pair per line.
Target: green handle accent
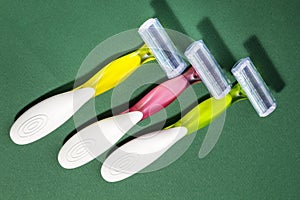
x,y
208,110
204,113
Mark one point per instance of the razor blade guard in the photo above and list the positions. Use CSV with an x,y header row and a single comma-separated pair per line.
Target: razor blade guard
x,y
162,47
254,86
208,69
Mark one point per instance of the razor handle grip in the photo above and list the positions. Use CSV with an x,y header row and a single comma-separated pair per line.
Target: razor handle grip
x,y
164,94
118,70
160,96
205,112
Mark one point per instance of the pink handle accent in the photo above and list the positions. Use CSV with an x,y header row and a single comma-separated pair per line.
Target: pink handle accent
x,y
164,94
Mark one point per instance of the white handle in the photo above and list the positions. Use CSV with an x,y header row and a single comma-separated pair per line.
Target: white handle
x,y
46,116
95,139
138,153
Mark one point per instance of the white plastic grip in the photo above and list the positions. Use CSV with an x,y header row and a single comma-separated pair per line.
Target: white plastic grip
x,y
95,139
49,114
138,153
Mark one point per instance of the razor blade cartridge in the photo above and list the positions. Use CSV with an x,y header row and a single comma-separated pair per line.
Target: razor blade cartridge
x,y
208,69
254,86
164,50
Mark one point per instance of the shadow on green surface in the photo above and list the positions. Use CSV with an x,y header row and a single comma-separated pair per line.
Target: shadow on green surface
x,y
216,44
166,15
206,28
64,88
173,26
264,64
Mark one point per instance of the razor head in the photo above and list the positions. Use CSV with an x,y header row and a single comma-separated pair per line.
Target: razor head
x,y
254,86
208,69
162,47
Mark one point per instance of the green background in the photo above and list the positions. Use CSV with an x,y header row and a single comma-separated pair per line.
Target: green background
x,y
43,44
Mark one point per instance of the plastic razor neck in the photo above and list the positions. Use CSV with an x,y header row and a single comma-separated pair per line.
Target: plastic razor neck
x,y
237,93
145,54
191,76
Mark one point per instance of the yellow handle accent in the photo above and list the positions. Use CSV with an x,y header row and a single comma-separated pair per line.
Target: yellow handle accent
x,y
118,70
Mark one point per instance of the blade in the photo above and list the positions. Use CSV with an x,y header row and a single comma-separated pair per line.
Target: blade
x,y
46,116
92,141
138,153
